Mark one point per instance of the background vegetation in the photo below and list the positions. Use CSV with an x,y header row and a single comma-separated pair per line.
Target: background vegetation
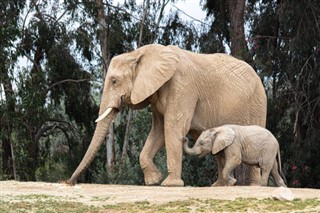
x,y
53,59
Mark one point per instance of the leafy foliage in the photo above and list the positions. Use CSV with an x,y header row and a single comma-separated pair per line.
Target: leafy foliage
x,y
286,48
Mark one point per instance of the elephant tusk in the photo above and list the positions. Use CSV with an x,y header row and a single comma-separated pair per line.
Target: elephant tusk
x,y
105,114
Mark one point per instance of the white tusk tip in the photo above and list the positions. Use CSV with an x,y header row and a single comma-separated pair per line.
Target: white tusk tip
x,y
103,115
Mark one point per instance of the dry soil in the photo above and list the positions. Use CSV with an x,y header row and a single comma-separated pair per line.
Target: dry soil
x,y
102,194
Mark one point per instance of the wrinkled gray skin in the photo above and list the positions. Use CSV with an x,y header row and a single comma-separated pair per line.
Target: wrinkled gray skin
x,y
188,93
233,144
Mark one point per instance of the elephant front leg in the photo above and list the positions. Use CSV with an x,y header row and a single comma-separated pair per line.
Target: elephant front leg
x,y
221,163
230,165
154,143
152,174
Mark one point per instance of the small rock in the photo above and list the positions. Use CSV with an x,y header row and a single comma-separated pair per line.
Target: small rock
x,y
282,193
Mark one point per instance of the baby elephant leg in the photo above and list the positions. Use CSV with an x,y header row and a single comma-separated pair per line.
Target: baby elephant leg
x,y
230,165
221,164
232,181
276,176
265,172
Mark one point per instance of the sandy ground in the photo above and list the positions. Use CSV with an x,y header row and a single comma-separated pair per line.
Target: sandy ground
x,y
98,194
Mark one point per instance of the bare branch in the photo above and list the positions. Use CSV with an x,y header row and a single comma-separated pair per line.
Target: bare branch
x,y
34,63
157,25
57,20
123,10
42,131
197,20
67,80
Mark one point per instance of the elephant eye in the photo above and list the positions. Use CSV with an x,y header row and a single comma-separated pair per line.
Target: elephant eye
x,y
114,81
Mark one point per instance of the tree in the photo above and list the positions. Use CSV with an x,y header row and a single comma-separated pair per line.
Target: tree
x,y
286,48
9,32
228,23
39,89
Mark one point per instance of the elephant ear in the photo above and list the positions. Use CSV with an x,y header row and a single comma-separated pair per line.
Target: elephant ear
x,y
153,70
222,137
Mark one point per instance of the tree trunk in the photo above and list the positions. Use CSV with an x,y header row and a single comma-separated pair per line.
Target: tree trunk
x,y
239,49
110,150
8,163
126,137
157,23
105,54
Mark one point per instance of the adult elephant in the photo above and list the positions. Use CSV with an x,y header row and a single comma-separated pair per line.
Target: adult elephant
x,y
188,93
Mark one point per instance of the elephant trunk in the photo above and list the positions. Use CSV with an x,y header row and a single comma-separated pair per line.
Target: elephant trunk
x,y
97,139
190,151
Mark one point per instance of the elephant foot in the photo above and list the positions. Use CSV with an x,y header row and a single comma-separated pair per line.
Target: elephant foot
x,y
219,183
169,181
282,184
153,178
232,181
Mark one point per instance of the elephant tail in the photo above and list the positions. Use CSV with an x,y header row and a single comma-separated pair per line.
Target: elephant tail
x,y
280,167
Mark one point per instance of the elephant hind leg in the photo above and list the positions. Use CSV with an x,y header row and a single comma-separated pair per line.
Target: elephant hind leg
x,y
265,172
255,175
174,159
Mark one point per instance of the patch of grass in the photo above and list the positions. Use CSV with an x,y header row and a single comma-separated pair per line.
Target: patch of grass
x,y
43,203
45,206
265,205
96,198
238,205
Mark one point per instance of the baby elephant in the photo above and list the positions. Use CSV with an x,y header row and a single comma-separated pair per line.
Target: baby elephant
x,y
233,144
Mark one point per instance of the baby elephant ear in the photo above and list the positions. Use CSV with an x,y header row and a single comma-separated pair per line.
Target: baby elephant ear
x,y
223,137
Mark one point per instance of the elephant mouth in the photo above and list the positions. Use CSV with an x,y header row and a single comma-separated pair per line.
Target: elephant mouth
x,y
202,155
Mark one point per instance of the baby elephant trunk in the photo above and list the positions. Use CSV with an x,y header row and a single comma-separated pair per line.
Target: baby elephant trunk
x,y
188,150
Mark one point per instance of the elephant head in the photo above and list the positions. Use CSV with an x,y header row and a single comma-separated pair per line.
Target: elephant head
x,y
212,140
130,80
202,146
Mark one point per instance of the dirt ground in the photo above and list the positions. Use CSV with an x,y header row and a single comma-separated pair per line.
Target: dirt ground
x,y
98,194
